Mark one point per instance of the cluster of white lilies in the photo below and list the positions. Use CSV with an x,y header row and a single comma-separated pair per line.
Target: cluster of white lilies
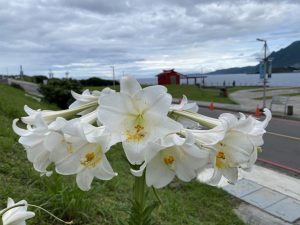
x,y
161,139
153,133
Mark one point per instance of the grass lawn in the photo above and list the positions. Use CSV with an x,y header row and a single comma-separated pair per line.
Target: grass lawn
x,y
194,93
183,203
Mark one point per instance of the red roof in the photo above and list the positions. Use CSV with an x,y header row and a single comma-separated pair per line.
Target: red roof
x,y
172,71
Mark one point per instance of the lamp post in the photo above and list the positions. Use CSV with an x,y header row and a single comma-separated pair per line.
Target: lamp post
x,y
264,71
113,71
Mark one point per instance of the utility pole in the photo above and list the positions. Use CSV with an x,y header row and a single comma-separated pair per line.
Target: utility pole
x,y
113,71
265,59
51,75
21,73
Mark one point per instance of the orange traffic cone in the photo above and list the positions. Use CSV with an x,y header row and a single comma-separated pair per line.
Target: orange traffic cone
x,y
211,106
257,111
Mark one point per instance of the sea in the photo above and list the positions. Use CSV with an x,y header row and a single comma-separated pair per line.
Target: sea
x,y
277,79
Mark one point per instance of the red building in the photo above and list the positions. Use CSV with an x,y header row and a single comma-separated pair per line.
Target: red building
x,y
169,77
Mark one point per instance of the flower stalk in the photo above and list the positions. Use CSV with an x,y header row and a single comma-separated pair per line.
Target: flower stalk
x,y
139,191
51,214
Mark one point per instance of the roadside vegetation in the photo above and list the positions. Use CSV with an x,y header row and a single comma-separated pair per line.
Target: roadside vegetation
x,y
58,91
107,202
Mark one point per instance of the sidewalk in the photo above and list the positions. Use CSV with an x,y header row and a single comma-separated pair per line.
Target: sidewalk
x,y
271,197
247,101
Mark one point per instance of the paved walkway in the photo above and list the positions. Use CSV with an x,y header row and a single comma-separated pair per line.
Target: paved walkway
x,y
247,102
269,191
247,98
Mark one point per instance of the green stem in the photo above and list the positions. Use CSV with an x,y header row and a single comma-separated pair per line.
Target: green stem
x,y
51,214
156,195
139,191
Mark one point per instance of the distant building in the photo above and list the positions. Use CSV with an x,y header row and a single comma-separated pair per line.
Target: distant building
x,y
169,77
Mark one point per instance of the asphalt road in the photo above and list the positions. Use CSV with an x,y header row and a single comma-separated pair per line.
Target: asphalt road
x,y
29,87
282,142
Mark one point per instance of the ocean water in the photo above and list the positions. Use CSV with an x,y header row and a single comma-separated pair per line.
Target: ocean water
x,y
277,79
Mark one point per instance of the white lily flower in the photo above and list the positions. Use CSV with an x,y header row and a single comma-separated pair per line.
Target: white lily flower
x,y
33,139
138,116
81,150
16,215
50,115
235,143
88,97
185,106
174,156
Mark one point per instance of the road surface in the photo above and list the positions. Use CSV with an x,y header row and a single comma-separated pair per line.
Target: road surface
x,y
29,87
282,142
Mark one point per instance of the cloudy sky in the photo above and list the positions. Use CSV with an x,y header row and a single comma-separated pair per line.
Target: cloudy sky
x,y
87,37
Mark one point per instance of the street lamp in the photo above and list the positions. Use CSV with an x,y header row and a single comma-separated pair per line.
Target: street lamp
x,y
264,71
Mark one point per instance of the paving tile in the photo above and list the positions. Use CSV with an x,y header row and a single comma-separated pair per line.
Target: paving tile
x,y
287,209
263,197
242,187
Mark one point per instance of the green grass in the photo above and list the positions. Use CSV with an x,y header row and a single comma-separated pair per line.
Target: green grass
x,y
202,94
183,203
193,92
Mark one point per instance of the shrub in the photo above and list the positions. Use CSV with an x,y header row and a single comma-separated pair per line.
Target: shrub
x,y
39,79
58,91
18,86
95,81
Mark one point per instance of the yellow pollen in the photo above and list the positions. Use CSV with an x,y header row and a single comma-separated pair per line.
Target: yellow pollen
x,y
90,156
91,159
69,147
220,160
139,128
137,135
169,160
221,155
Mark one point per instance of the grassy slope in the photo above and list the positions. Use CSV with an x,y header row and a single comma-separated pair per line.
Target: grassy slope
x,y
185,203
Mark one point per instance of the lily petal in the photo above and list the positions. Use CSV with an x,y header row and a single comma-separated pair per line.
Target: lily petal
x,y
129,85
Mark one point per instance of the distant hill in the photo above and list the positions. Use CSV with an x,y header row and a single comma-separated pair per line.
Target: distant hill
x,y
287,57
285,60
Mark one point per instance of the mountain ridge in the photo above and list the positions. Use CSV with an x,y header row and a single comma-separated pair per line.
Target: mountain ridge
x,y
284,60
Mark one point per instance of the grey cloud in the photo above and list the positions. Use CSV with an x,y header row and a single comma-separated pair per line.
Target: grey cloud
x,y
42,34
100,6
